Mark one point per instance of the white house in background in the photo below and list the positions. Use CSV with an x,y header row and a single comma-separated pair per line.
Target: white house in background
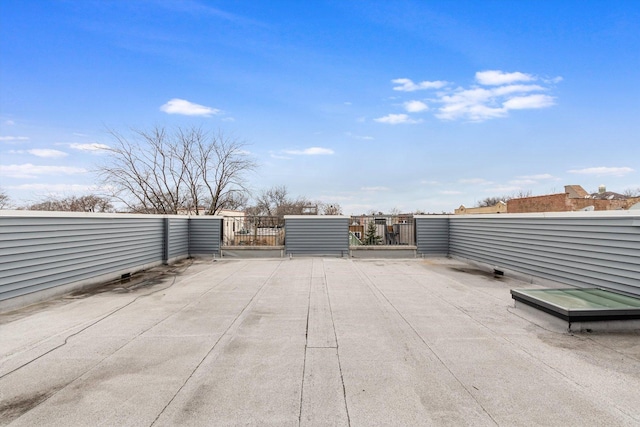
x,y
233,222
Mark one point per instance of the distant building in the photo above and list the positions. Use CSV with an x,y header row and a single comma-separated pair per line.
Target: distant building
x,y
500,207
574,198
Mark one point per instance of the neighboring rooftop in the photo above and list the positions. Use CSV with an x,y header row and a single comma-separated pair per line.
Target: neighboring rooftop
x,y
574,198
310,341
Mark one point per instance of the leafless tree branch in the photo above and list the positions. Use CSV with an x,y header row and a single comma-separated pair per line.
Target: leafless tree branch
x,y
181,171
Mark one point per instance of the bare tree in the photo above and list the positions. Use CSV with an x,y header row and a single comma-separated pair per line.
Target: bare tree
x,y
331,209
492,201
632,192
237,201
276,201
5,201
88,203
521,194
394,211
181,171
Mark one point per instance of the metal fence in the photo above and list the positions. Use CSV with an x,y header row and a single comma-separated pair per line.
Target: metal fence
x,y
47,252
243,230
599,249
382,230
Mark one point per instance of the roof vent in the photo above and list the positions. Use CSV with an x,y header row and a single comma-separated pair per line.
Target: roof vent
x,y
602,189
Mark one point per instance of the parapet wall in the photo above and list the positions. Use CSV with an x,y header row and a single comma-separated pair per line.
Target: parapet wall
x,y
46,253
585,249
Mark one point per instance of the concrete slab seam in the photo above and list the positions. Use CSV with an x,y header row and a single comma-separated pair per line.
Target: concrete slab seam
x,y
225,333
378,293
306,340
333,324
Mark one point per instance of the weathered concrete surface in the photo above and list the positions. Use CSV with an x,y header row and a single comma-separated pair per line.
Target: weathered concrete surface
x,y
311,341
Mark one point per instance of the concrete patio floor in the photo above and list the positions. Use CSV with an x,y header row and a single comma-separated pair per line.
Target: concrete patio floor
x,y
310,341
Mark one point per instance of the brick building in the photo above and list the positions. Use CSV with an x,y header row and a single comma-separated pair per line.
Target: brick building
x,y
574,198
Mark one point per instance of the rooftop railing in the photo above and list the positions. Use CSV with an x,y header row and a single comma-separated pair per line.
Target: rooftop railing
x,y
45,253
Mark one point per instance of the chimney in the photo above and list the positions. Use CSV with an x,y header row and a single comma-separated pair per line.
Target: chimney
x,y
602,189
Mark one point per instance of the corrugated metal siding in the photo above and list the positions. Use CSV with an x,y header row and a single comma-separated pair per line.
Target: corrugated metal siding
x,y
205,234
432,235
317,235
582,250
38,253
178,237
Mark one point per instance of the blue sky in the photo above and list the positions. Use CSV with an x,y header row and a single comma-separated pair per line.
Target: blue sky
x,y
372,104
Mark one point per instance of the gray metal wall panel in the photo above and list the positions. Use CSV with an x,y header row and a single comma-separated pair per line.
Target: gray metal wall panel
x,y
38,253
205,235
432,235
581,250
178,237
317,235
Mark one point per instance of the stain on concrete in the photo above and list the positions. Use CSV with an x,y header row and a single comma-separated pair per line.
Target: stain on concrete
x,y
475,272
19,405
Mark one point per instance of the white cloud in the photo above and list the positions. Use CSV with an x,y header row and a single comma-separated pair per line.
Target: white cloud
x,y
557,79
362,137
529,101
311,151
184,107
497,77
14,138
56,188
523,181
509,89
394,119
276,156
415,106
603,171
47,153
479,104
470,104
9,122
474,181
538,177
407,85
470,111
374,189
28,170
499,93
94,146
